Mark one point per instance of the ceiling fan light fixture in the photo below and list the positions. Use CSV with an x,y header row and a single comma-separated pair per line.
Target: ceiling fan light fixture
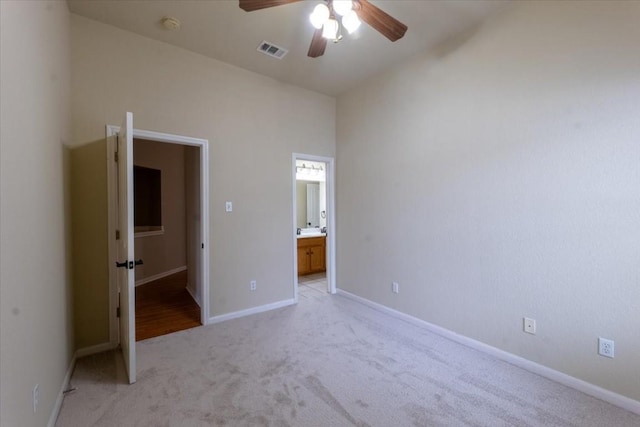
x,y
330,29
342,7
330,16
319,16
350,21
170,23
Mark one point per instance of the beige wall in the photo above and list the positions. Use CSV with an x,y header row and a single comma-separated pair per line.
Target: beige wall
x,y
36,336
193,220
301,203
253,125
90,245
167,251
499,179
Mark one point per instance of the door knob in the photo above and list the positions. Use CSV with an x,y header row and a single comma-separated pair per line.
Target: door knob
x,y
128,264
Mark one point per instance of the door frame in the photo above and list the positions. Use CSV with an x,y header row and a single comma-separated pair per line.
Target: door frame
x,y
112,171
331,220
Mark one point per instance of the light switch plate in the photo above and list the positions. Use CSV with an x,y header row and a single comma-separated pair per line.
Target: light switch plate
x,y
228,206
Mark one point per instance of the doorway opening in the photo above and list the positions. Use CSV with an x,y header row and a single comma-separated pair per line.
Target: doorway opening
x,y
314,231
165,197
171,292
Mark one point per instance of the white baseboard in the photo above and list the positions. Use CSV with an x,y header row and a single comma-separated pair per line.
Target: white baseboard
x,y
250,311
65,385
94,349
160,275
67,378
557,376
193,295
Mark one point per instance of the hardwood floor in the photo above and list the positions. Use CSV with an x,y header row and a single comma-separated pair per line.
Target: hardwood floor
x,y
164,306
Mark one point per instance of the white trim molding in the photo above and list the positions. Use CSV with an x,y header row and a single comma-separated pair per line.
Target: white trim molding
x,y
112,219
94,349
616,399
160,275
250,311
141,234
203,145
331,220
55,412
82,352
195,297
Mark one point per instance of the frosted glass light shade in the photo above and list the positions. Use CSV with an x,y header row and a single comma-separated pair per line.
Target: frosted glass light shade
x,y
330,30
319,16
342,7
350,21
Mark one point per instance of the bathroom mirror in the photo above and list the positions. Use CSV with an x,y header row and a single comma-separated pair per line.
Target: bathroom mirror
x,y
311,203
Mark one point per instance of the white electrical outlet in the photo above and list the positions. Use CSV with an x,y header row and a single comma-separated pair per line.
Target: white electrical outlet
x,y
36,397
228,206
606,347
395,288
253,285
529,325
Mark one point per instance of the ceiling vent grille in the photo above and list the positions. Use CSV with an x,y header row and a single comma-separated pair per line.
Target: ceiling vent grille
x,y
272,50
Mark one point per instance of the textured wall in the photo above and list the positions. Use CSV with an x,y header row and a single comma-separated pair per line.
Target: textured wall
x,y
36,337
90,245
499,178
253,125
167,251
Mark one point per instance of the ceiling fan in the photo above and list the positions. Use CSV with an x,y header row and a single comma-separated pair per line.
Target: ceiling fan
x,y
325,19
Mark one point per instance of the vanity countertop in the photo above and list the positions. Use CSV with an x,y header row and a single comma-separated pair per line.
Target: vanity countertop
x,y
307,235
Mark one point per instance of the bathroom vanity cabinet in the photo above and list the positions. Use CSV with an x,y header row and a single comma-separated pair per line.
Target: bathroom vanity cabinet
x,y
311,255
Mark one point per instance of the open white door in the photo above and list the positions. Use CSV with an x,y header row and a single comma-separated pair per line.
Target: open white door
x,y
126,254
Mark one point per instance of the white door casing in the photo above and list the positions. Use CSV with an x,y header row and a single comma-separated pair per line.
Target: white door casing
x,y
330,220
201,244
125,247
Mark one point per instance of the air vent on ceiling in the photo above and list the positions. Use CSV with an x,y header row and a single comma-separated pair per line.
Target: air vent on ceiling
x,y
272,50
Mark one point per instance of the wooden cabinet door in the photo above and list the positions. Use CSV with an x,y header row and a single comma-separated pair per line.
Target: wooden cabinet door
x,y
316,258
311,255
303,260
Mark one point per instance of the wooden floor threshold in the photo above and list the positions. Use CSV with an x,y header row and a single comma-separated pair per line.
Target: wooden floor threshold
x,y
165,306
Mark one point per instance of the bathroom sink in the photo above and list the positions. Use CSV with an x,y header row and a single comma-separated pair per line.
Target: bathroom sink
x,y
310,232
307,235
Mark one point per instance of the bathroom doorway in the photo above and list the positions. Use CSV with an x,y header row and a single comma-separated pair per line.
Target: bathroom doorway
x,y
314,237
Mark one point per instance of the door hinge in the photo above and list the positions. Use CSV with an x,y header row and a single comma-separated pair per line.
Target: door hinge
x,y
118,312
117,234
115,156
203,246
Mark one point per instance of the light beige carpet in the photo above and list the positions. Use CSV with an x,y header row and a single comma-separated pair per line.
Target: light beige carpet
x,y
327,361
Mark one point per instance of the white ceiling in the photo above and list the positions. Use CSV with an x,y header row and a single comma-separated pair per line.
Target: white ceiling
x,y
220,29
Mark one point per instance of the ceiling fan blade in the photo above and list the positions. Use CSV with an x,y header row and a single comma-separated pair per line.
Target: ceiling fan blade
x,y
318,44
384,23
251,5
